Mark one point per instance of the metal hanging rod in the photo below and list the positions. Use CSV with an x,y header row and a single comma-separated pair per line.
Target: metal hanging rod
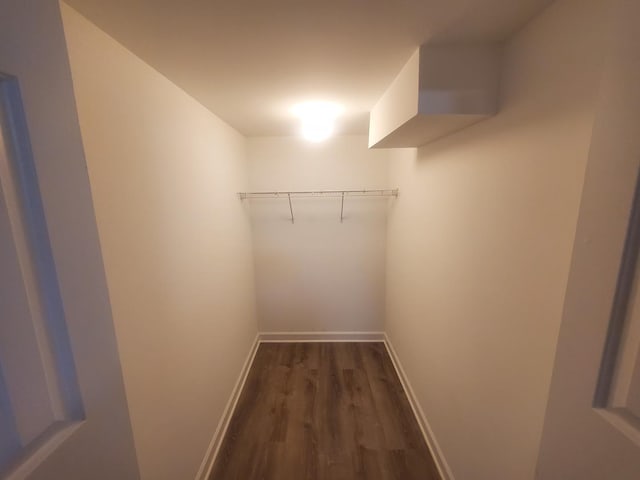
x,y
320,193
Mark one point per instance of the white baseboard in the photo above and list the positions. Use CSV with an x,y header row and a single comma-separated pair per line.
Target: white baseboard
x,y
223,424
284,337
427,432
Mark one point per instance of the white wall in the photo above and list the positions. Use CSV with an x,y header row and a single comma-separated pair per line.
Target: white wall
x,y
479,246
318,274
176,241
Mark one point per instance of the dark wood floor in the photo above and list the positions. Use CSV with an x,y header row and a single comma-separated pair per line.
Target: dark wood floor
x,y
323,411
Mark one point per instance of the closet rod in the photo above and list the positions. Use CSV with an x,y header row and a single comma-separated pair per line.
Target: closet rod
x,y
389,192
321,193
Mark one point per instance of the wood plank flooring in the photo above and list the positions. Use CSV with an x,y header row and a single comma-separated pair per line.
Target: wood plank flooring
x,y
323,411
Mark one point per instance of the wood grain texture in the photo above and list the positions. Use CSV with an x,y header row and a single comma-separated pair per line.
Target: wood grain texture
x,y
323,411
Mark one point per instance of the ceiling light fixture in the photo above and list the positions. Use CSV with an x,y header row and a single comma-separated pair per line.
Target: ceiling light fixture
x,y
318,119
316,131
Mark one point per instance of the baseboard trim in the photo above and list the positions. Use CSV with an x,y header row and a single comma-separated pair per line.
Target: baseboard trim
x,y
216,441
427,432
284,337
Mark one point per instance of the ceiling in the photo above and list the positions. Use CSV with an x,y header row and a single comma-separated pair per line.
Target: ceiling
x,y
250,61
